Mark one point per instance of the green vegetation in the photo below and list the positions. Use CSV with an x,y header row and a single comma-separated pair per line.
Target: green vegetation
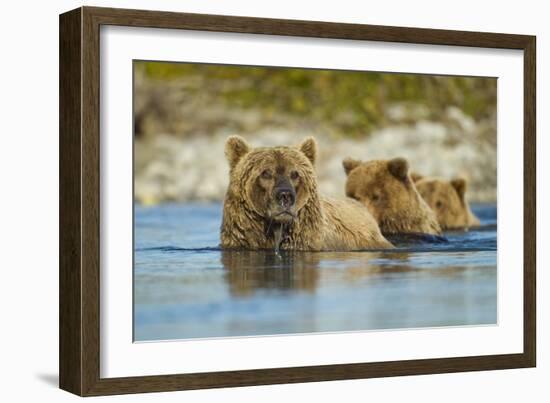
x,y
347,103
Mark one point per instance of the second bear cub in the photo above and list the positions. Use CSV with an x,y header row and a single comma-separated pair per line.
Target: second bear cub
x,y
448,200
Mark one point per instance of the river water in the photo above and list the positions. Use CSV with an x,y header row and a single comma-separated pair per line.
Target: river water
x,y
186,287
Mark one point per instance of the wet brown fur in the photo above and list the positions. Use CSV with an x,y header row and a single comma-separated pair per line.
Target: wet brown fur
x,y
448,200
386,188
319,224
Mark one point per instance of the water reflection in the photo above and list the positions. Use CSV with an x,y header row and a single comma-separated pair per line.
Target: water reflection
x,y
247,271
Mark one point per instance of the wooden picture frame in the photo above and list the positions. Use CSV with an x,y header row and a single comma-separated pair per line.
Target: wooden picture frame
x,y
80,199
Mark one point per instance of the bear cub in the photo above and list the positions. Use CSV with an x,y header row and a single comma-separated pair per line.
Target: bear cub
x,y
448,200
386,188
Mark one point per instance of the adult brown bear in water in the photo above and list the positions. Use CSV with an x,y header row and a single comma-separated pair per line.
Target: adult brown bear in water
x,y
272,202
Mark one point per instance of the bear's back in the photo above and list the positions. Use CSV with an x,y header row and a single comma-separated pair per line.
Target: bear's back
x,y
349,225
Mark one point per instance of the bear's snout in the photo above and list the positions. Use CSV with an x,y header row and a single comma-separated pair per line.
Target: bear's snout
x,y
285,197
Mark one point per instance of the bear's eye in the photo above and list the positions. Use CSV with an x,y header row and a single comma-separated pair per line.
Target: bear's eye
x,y
266,174
438,204
374,197
294,175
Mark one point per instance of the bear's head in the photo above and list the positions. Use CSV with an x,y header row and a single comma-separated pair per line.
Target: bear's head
x,y
448,200
388,191
274,183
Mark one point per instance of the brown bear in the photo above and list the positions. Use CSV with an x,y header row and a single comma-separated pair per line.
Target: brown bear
x,y
386,188
272,202
448,200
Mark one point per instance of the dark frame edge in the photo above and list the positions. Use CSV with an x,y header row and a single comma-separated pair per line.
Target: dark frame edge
x,y
90,202
70,279
304,28
257,377
79,202
530,201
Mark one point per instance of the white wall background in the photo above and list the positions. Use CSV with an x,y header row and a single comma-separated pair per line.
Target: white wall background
x,y
29,198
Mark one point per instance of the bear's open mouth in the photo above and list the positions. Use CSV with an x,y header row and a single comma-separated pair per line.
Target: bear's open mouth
x,y
285,212
286,216
278,226
280,235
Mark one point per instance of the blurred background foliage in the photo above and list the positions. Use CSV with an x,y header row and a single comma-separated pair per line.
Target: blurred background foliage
x,y
183,112
343,103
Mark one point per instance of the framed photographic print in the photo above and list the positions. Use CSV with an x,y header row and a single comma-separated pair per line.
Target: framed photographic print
x,y
249,201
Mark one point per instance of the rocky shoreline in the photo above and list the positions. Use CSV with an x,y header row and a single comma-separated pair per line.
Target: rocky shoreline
x,y
173,169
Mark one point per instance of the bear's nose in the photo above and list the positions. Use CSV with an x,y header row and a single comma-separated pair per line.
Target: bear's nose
x,y
285,197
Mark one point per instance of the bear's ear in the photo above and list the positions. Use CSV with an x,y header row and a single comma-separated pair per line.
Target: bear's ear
x,y
399,167
415,176
309,148
235,148
350,164
460,186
